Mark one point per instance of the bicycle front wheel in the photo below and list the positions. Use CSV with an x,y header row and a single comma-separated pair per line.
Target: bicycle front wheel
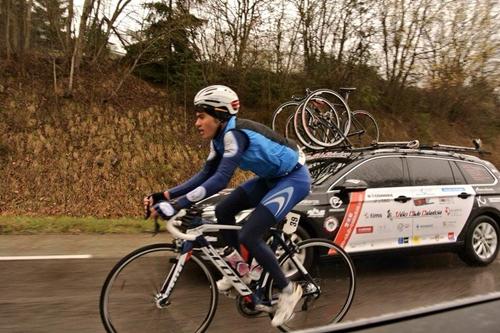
x,y
364,129
280,119
328,286
130,297
322,123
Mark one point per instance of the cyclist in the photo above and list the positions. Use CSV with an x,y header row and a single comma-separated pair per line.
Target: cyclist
x,y
282,181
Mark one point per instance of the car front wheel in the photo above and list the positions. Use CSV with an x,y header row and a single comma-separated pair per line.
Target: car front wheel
x,y
481,242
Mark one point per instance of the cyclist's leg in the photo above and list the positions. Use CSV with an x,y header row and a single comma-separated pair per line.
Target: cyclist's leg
x,y
285,194
246,196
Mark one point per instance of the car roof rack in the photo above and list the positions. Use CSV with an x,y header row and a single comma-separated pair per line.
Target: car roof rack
x,y
413,144
476,149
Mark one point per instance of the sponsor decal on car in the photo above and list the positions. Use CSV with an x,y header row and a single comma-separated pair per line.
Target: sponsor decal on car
x,y
373,215
330,224
452,211
403,226
315,212
400,214
416,239
379,195
308,202
431,212
453,189
484,189
424,226
449,223
446,200
336,210
423,191
335,202
481,201
350,219
422,202
364,230
451,236
381,200
403,240
494,200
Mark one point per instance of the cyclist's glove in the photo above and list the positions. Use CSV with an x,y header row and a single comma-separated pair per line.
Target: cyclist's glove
x,y
156,198
165,210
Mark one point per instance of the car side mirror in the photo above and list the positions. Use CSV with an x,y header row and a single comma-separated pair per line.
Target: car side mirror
x,y
352,185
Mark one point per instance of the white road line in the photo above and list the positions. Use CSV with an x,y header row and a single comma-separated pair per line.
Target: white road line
x,y
78,256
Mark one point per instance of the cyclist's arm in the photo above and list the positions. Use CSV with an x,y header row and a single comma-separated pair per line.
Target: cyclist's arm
x,y
208,170
235,143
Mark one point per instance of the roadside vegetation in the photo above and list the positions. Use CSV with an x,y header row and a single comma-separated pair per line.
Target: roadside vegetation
x,y
26,225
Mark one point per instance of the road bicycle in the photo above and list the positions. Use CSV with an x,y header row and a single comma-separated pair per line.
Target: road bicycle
x,y
322,119
171,287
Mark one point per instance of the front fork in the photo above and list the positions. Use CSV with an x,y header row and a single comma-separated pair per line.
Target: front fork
x,y
161,298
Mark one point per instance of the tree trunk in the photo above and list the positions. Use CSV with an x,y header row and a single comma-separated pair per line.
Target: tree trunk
x,y
8,47
79,45
14,32
27,26
78,49
69,22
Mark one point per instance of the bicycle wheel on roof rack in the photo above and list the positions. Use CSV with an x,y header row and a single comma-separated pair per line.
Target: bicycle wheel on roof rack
x,y
295,130
364,129
326,118
280,118
319,131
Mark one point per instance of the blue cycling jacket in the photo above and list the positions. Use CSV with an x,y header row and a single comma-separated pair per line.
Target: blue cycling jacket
x,y
242,143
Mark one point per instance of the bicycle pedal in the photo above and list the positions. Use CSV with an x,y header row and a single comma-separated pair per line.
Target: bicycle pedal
x,y
265,308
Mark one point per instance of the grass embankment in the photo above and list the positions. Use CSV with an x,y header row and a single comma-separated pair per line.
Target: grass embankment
x,y
25,225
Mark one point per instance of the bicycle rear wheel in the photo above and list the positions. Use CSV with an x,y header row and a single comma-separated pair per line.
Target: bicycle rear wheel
x,y
129,301
298,131
328,287
364,129
322,124
280,119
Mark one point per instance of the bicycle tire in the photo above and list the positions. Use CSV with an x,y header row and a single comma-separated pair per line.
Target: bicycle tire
x,y
127,300
339,131
364,129
337,280
297,133
301,135
276,119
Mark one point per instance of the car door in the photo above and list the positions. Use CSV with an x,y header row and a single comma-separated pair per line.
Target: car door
x,y
374,219
440,200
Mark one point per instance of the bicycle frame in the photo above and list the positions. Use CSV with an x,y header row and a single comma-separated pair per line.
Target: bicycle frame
x,y
202,244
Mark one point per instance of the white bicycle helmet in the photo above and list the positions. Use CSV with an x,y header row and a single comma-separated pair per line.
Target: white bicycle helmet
x,y
218,101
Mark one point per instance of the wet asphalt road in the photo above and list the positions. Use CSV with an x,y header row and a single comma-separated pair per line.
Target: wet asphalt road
x,y
62,295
